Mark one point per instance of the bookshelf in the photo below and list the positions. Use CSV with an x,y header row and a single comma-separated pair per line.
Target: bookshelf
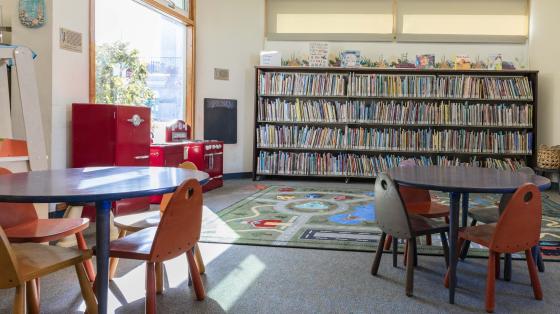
x,y
356,122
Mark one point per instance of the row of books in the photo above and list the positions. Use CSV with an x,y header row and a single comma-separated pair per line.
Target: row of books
x,y
395,85
395,112
430,140
310,84
343,164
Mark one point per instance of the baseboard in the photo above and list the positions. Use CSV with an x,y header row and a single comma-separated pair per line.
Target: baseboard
x,y
238,175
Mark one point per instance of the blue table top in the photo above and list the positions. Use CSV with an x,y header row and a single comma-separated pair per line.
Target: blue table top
x,y
92,184
465,179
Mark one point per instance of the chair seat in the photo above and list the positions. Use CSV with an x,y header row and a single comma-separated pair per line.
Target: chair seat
x,y
45,230
481,234
134,246
485,215
431,210
36,260
137,222
421,225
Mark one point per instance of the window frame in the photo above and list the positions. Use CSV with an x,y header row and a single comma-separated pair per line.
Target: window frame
x,y
177,14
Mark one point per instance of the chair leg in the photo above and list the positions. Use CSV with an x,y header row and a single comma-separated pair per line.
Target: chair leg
x,y
497,265
539,258
32,298
87,291
537,291
405,257
150,288
410,269
195,275
19,300
428,239
199,260
87,263
113,261
388,241
466,246
415,250
445,247
507,267
378,253
159,278
491,282
395,251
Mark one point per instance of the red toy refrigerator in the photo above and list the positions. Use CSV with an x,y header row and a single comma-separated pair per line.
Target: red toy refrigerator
x,y
208,156
111,135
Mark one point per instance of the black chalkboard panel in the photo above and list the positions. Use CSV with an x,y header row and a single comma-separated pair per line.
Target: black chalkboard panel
x,y
220,120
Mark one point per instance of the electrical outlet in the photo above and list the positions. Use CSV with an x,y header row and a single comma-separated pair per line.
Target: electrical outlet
x,y
221,74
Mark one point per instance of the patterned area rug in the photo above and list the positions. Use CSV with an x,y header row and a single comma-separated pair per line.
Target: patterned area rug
x,y
339,219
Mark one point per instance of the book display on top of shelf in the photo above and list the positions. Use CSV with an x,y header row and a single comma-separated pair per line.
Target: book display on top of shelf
x,y
341,122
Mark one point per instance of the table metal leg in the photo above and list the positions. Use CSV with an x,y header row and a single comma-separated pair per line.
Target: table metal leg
x,y
465,207
102,236
453,236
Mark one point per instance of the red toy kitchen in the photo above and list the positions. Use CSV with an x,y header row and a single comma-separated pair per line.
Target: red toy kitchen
x,y
120,135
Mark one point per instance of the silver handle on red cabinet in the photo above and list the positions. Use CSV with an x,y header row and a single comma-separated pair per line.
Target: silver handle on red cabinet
x,y
142,157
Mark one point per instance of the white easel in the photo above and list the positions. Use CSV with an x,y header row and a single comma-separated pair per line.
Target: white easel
x,y
24,102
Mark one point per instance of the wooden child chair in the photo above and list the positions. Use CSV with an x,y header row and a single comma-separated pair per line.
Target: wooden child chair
x,y
177,233
395,220
518,229
21,266
136,222
488,215
419,202
21,224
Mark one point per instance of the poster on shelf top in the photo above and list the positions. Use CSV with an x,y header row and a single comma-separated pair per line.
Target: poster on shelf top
x,y
350,59
462,62
271,58
318,54
425,61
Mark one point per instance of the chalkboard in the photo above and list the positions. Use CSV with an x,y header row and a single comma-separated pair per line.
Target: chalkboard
x,y
220,120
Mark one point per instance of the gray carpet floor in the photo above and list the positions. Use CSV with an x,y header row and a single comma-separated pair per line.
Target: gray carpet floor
x,y
250,279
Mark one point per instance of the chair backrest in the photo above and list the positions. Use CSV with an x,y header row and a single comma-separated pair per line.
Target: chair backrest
x,y
179,228
414,198
519,226
504,200
390,212
12,214
166,197
9,276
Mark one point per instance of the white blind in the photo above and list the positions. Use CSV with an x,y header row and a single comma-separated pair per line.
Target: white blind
x,y
462,20
330,19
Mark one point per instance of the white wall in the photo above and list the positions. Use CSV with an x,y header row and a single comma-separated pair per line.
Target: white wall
x,y
544,52
230,35
70,75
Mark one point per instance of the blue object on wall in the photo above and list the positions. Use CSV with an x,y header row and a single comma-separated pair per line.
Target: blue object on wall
x,y
32,13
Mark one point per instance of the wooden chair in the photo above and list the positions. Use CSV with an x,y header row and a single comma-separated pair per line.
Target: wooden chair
x,y
395,220
177,233
21,224
518,229
136,222
490,215
419,202
21,265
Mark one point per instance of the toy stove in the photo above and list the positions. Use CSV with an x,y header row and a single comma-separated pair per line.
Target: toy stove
x,y
171,147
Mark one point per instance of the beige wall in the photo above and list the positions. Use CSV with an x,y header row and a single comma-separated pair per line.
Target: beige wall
x,y
230,35
544,52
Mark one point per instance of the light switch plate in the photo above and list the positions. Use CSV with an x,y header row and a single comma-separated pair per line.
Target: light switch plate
x,y
221,74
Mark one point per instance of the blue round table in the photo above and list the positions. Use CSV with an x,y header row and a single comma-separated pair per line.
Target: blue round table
x,y
101,185
462,181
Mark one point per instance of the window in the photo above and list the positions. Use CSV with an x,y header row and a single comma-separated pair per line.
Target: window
x,y
143,56
329,19
400,20
460,20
